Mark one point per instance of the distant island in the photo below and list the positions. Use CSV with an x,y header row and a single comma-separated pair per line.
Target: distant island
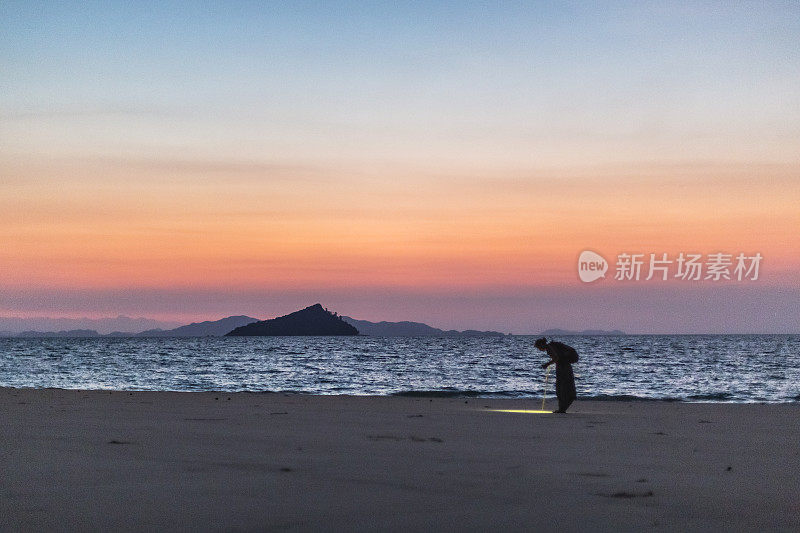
x,y
313,320
584,332
412,329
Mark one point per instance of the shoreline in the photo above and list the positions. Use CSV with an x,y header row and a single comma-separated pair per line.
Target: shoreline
x,y
443,395
141,460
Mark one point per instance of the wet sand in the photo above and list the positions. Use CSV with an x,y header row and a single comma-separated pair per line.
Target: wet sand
x,y
94,460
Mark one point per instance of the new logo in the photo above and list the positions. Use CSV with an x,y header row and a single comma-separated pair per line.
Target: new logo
x,y
591,266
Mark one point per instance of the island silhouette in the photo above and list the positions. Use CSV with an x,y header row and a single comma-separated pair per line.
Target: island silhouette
x,y
313,320
412,329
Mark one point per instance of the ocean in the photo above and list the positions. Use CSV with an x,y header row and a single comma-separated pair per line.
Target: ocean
x,y
696,368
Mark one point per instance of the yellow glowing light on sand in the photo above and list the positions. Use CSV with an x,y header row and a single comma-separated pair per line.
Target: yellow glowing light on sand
x,y
519,411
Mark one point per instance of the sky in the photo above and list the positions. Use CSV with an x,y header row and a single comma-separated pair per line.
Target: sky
x,y
445,162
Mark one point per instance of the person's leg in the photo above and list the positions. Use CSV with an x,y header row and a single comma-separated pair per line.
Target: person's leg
x,y
561,395
563,406
567,388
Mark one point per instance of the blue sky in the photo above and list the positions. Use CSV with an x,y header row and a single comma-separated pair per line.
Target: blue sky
x,y
408,75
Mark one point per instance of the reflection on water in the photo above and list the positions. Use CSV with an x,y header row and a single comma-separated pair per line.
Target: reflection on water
x,y
737,368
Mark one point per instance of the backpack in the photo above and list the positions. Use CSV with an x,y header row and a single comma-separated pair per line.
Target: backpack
x,y
565,352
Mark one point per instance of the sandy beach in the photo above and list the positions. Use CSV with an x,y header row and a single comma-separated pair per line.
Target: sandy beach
x,y
100,460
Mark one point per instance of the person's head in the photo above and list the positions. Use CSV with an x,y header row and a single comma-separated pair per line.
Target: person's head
x,y
541,343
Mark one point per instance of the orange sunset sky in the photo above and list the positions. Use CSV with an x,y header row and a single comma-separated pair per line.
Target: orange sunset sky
x,y
441,164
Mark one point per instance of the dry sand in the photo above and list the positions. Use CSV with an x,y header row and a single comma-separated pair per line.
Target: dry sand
x,y
216,461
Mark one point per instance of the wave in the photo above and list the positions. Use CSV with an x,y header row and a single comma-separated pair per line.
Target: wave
x,y
466,393
627,398
712,396
459,393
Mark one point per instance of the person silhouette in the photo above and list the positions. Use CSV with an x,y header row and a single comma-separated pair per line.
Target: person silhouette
x,y
563,356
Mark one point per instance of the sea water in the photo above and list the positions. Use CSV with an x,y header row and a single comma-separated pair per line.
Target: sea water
x,y
720,368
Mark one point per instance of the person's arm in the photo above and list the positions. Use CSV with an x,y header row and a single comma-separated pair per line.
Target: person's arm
x,y
553,356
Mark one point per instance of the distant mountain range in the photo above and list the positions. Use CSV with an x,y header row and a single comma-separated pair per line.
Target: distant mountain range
x,y
313,320
556,332
66,333
14,325
412,329
209,328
